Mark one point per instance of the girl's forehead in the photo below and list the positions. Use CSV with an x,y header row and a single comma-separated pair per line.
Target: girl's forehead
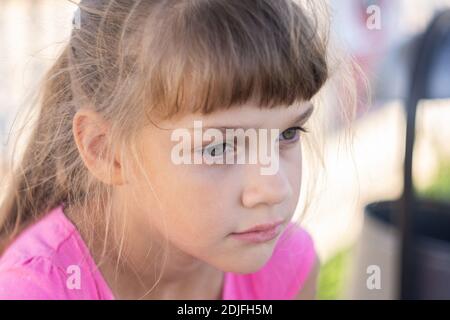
x,y
247,115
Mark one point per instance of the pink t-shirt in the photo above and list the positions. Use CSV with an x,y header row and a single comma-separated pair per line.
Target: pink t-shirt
x,y
42,261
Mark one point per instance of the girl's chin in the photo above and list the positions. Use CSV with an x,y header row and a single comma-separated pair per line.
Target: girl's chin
x,y
249,262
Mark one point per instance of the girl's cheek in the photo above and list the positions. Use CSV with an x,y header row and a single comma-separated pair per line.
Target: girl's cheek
x,y
291,163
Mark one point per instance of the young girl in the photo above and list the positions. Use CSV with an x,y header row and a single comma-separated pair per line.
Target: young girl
x,y
97,208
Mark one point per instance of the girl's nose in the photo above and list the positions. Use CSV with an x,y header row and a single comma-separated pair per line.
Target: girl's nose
x,y
264,189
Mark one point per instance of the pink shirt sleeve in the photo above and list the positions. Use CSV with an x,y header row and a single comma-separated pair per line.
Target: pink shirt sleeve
x,y
302,256
49,260
35,279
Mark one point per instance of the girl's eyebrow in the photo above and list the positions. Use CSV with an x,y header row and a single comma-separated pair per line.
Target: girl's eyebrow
x,y
302,117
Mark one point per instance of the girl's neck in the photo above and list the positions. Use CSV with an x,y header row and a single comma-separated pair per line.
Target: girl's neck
x,y
127,284
139,273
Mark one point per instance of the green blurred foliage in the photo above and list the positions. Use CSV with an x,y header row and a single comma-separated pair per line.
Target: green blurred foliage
x,y
440,188
332,276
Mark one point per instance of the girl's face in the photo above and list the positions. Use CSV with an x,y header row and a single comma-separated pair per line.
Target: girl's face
x,y
200,206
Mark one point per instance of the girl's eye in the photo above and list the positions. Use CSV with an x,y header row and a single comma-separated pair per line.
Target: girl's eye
x,y
217,150
292,134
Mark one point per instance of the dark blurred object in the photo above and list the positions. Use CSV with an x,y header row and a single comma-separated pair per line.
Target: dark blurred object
x,y
392,79
424,224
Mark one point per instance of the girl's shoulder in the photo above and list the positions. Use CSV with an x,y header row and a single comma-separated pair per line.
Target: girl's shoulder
x,y
283,276
47,260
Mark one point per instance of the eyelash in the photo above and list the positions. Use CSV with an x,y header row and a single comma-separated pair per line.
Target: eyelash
x,y
297,129
213,147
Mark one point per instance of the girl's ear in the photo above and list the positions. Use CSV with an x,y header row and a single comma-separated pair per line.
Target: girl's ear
x,y
90,132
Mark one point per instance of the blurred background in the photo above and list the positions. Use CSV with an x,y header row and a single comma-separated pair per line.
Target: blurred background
x,y
360,221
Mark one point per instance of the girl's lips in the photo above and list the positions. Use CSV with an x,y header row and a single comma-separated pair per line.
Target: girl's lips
x,y
260,233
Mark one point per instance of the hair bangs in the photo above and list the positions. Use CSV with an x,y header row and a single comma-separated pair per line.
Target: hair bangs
x,y
225,54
